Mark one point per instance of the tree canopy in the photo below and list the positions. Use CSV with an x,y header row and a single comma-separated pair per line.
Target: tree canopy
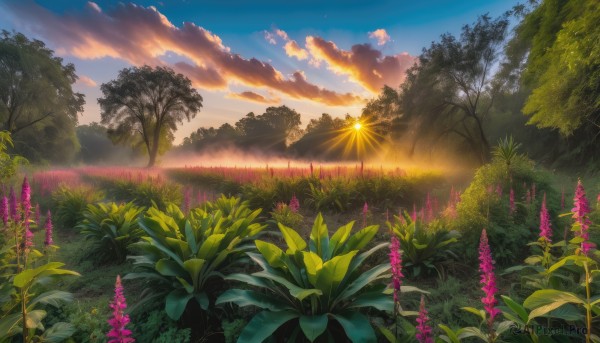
x,y
143,106
38,106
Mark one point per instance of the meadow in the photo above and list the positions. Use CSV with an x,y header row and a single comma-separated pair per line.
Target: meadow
x,y
302,253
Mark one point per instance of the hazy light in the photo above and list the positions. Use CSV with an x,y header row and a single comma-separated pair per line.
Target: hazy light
x,y
357,126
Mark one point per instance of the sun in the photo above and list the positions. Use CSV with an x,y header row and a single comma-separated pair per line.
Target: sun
x,y
357,126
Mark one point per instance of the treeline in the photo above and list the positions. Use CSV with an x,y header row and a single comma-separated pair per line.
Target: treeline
x,y
539,82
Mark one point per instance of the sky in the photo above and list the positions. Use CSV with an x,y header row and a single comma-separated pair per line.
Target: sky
x,y
243,56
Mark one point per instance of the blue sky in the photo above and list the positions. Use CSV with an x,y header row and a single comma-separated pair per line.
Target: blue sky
x,y
247,55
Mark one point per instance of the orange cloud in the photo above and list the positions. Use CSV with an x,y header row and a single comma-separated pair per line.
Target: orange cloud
x,y
293,50
140,35
380,35
363,64
87,81
255,97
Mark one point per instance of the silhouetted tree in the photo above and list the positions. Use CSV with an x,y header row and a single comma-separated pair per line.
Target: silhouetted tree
x,y
144,105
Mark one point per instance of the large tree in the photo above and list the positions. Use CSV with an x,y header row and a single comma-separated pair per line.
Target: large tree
x,y
144,105
273,130
37,103
451,89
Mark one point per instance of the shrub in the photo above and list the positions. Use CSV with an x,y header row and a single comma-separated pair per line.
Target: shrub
x,y
113,228
183,258
70,203
313,289
283,214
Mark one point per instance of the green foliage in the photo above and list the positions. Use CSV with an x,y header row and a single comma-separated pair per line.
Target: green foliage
x,y
113,228
70,203
157,327
37,103
507,150
425,247
319,286
232,329
284,215
183,258
8,164
90,326
482,207
146,193
149,121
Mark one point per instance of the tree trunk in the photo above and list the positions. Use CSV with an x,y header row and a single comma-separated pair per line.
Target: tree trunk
x,y
153,151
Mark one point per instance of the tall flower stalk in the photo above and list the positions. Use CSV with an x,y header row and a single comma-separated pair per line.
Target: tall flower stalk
x,y
423,328
396,266
545,233
488,280
48,228
118,333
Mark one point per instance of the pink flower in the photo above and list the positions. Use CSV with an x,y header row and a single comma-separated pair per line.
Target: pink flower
x,y
396,263
413,216
4,210
499,190
294,204
423,330
488,279
26,199
118,333
48,227
545,230
365,209
580,210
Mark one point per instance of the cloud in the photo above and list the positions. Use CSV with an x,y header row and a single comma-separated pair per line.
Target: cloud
x,y
270,37
380,35
255,97
87,81
141,35
292,49
362,63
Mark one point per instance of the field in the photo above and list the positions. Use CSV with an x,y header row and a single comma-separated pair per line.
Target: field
x,y
221,254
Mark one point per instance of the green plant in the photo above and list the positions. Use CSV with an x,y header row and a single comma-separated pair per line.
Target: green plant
x,y
507,151
183,258
8,164
284,215
113,228
156,327
424,246
70,203
315,289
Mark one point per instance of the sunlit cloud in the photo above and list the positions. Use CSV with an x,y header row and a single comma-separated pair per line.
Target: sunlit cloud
x,y
362,63
292,49
86,81
141,35
380,35
270,37
255,97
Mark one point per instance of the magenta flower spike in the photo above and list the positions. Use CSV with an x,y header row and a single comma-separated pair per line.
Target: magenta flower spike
x,y
423,329
488,279
48,228
294,204
26,198
4,210
118,333
545,230
396,264
580,210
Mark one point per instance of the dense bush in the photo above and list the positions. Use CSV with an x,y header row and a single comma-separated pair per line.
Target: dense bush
x,y
112,228
183,258
70,203
313,289
486,204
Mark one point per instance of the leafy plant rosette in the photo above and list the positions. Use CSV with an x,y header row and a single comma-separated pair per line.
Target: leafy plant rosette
x,y
320,287
113,228
183,258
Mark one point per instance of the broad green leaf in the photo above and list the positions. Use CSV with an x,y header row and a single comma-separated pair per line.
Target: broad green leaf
x,y
378,300
357,327
28,275
313,326
410,289
34,319
176,303
339,238
292,238
9,324
363,280
471,332
451,336
319,237
264,324
211,245
194,267
479,313
248,279
169,267
313,264
517,308
546,300
297,292
59,332
252,298
360,239
334,271
54,298
271,253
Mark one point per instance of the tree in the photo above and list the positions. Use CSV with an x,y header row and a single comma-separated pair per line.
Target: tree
x,y
451,89
273,130
223,136
144,105
319,138
97,148
38,106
